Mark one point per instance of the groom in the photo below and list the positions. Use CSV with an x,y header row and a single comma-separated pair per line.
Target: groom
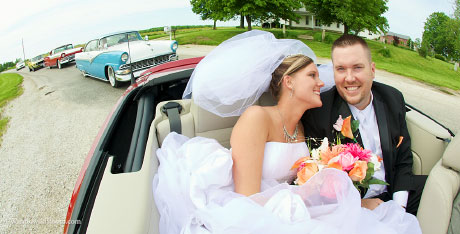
x,y
381,112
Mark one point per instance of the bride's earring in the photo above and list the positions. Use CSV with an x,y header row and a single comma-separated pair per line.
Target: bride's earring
x,y
292,92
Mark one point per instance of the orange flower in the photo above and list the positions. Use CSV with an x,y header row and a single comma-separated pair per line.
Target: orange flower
x,y
346,128
298,162
326,155
358,173
306,173
335,165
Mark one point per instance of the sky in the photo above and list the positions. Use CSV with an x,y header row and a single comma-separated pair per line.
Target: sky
x,y
44,25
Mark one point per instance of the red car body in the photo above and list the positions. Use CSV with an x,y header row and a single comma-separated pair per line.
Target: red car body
x,y
163,82
146,77
61,55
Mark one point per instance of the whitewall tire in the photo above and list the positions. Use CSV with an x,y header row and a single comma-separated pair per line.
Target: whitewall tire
x,y
111,75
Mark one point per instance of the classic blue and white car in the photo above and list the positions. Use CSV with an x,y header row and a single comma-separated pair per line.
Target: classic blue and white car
x,y
112,58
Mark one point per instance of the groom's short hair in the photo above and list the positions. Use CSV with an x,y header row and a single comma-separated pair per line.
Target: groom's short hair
x,y
350,40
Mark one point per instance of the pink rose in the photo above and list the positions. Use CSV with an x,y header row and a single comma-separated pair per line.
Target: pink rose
x,y
356,150
338,124
347,161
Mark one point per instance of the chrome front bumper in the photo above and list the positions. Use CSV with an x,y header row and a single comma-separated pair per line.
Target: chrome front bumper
x,y
68,59
123,74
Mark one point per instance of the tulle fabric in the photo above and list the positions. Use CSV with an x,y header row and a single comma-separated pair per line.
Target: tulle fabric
x,y
193,191
236,73
326,75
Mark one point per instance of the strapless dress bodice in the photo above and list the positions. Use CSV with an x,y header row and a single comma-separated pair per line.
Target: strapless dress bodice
x,y
279,158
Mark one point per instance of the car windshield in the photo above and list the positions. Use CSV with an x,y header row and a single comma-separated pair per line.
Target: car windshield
x,y
36,58
62,48
119,38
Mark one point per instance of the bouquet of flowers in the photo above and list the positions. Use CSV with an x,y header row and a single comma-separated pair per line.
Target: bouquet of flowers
x,y
360,164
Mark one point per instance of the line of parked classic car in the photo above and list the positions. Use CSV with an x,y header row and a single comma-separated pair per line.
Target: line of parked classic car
x,y
61,55
116,57
35,63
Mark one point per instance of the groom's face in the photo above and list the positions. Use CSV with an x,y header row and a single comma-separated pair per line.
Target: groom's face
x,y
353,74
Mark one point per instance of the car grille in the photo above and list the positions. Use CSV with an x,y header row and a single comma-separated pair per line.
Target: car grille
x,y
146,63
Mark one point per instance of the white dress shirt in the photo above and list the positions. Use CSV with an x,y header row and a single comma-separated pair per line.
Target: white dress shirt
x,y
370,136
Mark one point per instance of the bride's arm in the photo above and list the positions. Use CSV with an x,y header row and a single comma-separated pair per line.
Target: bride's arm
x,y
248,143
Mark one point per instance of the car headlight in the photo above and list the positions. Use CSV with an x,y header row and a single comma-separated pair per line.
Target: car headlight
x,y
124,57
174,46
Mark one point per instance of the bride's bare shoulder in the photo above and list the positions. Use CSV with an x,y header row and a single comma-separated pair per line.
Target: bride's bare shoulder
x,y
256,113
252,126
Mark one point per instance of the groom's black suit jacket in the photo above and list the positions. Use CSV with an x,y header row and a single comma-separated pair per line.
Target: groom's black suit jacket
x,y
390,112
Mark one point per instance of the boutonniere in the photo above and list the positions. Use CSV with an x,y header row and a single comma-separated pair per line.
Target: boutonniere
x,y
346,128
401,138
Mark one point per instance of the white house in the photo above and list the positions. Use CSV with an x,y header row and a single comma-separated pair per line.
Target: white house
x,y
309,20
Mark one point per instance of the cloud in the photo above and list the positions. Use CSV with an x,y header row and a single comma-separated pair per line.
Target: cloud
x,y
44,25
408,17
47,24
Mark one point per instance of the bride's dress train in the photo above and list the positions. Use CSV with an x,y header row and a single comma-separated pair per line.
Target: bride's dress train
x,y
193,191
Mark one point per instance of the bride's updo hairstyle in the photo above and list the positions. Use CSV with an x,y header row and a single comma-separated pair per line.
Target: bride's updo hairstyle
x,y
289,66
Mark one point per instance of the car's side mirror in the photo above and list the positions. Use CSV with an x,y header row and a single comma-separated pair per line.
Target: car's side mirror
x,y
146,37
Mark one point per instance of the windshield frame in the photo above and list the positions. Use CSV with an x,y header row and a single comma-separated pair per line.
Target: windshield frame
x,y
119,38
63,48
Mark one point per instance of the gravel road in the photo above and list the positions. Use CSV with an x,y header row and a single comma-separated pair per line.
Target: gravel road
x,y
53,124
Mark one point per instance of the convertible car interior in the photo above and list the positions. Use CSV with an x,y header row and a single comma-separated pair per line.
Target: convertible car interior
x,y
119,197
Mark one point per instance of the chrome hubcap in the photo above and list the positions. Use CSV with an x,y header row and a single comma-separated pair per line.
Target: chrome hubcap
x,y
111,76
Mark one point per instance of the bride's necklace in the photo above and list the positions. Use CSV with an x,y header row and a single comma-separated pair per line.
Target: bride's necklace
x,y
288,137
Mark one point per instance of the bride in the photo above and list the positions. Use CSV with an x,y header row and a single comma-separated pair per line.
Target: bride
x,y
202,187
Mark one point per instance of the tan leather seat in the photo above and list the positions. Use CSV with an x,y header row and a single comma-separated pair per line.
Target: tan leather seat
x,y
196,121
426,149
441,188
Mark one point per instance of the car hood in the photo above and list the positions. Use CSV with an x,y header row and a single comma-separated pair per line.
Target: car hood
x,y
141,50
69,51
37,61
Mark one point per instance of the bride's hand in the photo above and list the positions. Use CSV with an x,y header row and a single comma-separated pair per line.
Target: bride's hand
x,y
371,203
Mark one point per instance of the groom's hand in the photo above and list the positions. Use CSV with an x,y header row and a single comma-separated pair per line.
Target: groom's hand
x,y
371,203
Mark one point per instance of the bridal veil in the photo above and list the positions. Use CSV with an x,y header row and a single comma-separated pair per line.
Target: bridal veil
x,y
236,73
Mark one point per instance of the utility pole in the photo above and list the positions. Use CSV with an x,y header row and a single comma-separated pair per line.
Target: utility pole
x,y
23,53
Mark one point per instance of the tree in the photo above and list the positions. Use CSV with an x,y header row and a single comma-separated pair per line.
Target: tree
x,y
438,33
457,9
211,9
395,41
355,15
261,10
6,65
417,43
410,44
453,37
252,10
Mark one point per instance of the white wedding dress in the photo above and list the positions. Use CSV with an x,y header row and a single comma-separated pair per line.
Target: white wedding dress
x,y
193,191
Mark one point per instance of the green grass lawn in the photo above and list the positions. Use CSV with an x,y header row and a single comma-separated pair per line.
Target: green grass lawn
x,y
402,61
10,87
409,63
